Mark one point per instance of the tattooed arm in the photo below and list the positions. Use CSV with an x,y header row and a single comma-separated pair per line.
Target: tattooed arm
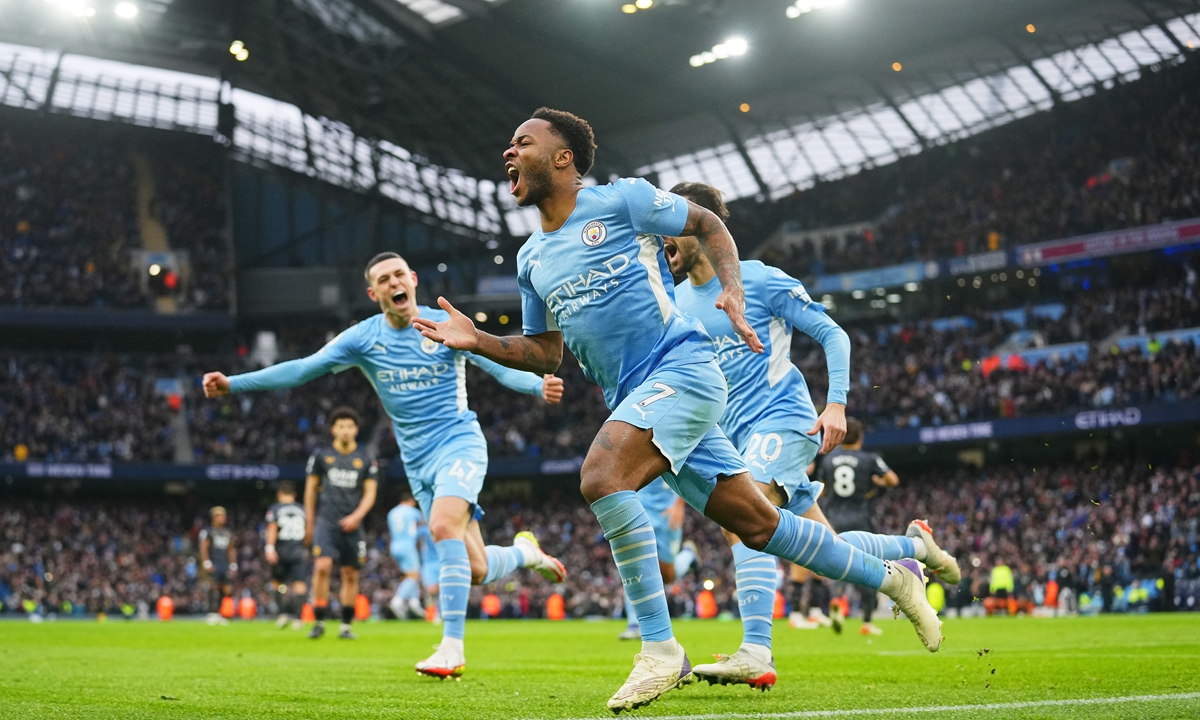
x,y
541,354
722,253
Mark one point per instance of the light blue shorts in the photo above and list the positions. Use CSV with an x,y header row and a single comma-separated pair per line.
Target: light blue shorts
x,y
782,457
456,468
681,404
669,541
406,557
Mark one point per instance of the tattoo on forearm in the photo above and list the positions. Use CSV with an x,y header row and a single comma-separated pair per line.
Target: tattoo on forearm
x,y
718,245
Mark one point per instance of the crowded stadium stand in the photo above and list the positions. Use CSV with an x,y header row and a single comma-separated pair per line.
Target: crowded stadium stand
x,y
1013,247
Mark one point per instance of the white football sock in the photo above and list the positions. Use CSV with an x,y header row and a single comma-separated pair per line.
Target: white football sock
x,y
662,648
891,579
920,552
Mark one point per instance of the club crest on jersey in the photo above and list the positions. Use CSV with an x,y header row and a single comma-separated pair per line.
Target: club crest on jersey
x,y
594,233
428,346
357,463
328,459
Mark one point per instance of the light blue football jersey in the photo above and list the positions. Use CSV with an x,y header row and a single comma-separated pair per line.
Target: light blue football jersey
x,y
404,524
657,497
422,383
601,279
766,391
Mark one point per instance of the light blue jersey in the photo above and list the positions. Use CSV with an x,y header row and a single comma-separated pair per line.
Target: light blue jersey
x,y
422,383
766,391
601,279
404,522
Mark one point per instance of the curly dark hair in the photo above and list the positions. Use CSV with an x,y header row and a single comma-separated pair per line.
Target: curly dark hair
x,y
706,196
575,132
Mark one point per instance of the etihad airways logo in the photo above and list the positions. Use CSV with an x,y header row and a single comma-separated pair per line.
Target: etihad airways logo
x,y
728,347
418,372
568,298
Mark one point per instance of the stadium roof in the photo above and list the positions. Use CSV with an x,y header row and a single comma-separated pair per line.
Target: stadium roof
x,y
447,80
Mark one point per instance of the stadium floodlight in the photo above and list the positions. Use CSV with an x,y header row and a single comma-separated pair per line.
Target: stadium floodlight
x,y
803,7
893,298
736,46
644,4
733,47
499,259
629,8
154,269
126,10
858,294
912,287
481,316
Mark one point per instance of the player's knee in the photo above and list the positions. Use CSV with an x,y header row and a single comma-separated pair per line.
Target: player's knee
x,y
323,566
444,529
596,481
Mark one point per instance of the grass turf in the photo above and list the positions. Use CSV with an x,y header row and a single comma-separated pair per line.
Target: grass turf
x,y
540,669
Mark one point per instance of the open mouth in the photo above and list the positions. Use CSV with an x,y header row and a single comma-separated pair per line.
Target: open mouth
x,y
514,176
400,298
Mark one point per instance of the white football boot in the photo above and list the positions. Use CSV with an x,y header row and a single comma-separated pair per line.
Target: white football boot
x,y
536,559
908,596
447,661
939,562
744,667
653,676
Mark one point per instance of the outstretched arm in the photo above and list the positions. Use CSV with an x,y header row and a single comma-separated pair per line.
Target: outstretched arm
x,y
547,387
540,353
338,353
718,245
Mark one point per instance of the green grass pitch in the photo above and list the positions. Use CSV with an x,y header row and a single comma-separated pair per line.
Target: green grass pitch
x,y
549,670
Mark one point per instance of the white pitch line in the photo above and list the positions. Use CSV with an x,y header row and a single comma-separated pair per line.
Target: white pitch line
x,y
989,707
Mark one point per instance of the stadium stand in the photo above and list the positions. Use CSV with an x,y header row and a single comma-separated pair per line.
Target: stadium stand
x,y
1098,526
1124,157
1121,532
71,227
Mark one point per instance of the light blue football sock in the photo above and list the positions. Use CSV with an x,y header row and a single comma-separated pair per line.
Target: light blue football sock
x,y
754,573
630,613
454,586
810,544
683,562
627,529
886,547
502,562
409,590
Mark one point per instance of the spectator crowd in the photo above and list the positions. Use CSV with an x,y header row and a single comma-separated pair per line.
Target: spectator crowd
x,y
69,219
109,407
1092,526
1120,158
